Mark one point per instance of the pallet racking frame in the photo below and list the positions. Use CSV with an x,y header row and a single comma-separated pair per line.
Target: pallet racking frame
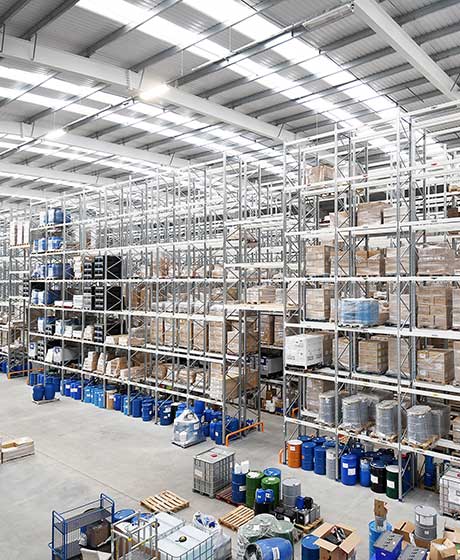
x,y
397,161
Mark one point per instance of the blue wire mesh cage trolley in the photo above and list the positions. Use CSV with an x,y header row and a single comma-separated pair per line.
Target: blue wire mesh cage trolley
x,y
66,526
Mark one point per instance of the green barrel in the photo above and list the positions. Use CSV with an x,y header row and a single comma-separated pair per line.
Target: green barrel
x,y
253,482
272,483
284,529
392,481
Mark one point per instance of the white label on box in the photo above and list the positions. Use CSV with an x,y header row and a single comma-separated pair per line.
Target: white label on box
x,y
351,472
374,479
242,488
198,473
428,521
391,484
454,496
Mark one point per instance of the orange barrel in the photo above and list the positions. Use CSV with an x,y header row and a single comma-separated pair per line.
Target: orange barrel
x,y
294,453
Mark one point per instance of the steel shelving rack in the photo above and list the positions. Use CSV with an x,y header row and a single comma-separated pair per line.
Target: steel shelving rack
x,y
397,162
188,255
13,304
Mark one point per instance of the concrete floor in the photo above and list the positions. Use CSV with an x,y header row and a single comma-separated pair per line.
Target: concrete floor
x,y
82,451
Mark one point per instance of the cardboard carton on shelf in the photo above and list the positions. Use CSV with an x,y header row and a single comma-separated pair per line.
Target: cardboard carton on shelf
x,y
343,550
434,306
456,429
456,308
435,365
371,213
320,173
318,259
370,263
391,260
436,260
267,330
373,355
318,303
261,294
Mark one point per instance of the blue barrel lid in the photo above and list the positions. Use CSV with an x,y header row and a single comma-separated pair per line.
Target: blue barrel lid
x,y
272,471
308,444
378,464
309,542
122,513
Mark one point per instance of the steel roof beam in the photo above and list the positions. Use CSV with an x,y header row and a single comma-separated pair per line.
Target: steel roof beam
x,y
400,20
210,32
15,7
21,192
51,174
385,26
125,29
67,62
25,130
49,18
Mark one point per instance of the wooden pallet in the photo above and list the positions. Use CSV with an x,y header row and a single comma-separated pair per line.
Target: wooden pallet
x,y
236,518
308,528
45,402
22,373
384,439
225,495
425,445
165,501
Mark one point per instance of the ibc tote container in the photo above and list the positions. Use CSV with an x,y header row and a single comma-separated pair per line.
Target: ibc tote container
x,y
212,470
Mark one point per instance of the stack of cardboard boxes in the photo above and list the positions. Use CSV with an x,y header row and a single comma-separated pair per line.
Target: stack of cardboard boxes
x,y
373,355
318,303
371,213
318,259
435,365
370,263
436,260
434,306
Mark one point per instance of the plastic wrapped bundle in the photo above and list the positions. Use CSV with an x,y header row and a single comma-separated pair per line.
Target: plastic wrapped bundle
x,y
372,400
355,412
187,429
386,418
262,526
419,424
327,407
359,311
441,419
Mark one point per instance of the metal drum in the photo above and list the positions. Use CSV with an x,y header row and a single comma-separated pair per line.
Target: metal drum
x,y
308,450
331,464
392,481
291,489
294,453
426,523
378,477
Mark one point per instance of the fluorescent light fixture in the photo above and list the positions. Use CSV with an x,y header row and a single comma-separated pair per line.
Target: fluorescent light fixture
x,y
53,134
156,91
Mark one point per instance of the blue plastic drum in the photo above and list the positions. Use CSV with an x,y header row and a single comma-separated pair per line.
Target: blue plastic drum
x,y
349,469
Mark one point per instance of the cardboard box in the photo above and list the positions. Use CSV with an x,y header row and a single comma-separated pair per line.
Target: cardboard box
x,y
331,551
304,350
435,365
320,173
318,260
371,213
373,355
456,429
370,263
456,308
442,549
434,306
261,294
318,303
267,330
436,260
404,528
391,262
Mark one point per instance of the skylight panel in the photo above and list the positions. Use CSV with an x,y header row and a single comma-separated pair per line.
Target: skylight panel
x,y
117,10
221,11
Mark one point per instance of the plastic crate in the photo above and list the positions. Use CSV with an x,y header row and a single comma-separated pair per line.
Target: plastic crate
x,y
212,470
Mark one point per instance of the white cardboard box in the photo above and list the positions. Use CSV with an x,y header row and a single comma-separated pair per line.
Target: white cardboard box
x,y
304,349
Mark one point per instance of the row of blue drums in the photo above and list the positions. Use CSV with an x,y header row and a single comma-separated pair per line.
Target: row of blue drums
x,y
377,470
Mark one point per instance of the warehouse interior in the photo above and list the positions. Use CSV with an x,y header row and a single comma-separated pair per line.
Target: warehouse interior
x,y
230,279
